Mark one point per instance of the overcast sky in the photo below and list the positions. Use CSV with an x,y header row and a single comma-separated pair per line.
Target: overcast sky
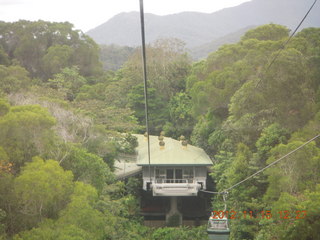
x,y
88,14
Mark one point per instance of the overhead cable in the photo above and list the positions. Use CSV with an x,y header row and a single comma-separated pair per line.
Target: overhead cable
x,y
144,63
285,44
266,167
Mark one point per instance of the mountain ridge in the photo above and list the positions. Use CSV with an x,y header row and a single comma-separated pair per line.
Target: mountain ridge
x,y
197,29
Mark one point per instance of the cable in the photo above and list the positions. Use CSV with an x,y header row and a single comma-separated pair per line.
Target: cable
x,y
271,63
146,96
273,163
224,196
285,44
261,170
144,61
210,192
225,192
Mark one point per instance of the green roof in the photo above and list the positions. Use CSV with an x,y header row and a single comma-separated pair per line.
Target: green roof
x,y
173,153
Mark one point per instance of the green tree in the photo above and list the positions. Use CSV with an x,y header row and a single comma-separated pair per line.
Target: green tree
x,y
270,137
308,227
293,217
267,32
25,132
181,121
287,80
206,126
4,59
49,230
88,168
86,57
5,165
2,226
186,233
43,188
28,52
79,220
56,58
244,197
308,131
80,211
296,173
32,43
69,81
168,67
108,117
222,162
239,170
4,107
8,203
114,56
279,98
13,79
156,107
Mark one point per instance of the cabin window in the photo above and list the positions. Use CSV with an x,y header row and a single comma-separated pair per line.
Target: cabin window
x,y
160,173
188,173
170,173
178,174
174,175
218,224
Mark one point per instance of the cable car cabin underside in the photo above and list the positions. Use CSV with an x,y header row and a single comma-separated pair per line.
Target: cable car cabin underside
x,y
172,187
219,235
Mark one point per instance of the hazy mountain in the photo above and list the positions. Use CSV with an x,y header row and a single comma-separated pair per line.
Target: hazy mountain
x,y
202,51
200,28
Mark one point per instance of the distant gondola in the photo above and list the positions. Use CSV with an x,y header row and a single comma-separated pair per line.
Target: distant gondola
x,y
218,229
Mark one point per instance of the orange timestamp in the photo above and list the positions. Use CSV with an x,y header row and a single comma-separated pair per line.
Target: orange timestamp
x,y
285,214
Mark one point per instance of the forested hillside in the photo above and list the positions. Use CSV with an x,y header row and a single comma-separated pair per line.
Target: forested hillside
x,y
64,121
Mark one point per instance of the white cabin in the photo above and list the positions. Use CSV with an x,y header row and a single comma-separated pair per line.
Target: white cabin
x,y
174,169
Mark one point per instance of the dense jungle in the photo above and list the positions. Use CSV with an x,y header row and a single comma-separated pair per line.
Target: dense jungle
x,y
65,120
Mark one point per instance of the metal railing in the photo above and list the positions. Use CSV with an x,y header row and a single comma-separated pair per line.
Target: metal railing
x,y
164,180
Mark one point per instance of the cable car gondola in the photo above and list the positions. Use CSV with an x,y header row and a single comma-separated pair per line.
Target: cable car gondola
x,y
218,229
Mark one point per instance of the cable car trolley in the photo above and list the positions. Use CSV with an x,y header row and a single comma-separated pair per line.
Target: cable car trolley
x,y
218,229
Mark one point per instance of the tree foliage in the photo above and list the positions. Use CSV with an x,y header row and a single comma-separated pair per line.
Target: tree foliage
x,y
252,115
25,132
13,79
88,168
43,188
247,105
43,48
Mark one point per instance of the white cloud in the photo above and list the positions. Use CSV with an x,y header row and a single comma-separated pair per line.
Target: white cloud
x,y
10,2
